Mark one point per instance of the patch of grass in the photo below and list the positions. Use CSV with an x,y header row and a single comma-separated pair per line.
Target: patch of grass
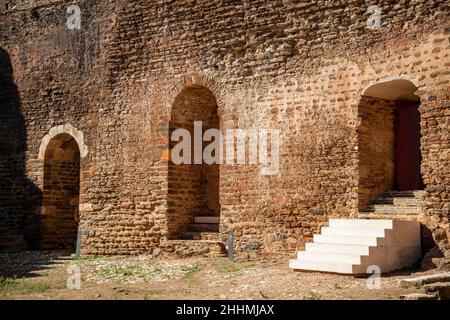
x,y
312,296
161,272
7,283
61,285
128,271
87,258
190,272
235,268
33,287
148,295
23,286
249,265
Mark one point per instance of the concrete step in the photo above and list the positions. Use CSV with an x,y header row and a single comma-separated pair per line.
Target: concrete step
x,y
383,216
401,201
203,227
210,236
352,245
407,194
363,231
391,214
325,266
326,256
359,240
407,202
382,208
382,201
360,223
428,279
419,296
207,220
337,248
442,289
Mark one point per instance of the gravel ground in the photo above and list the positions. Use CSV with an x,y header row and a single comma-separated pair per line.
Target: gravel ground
x,y
44,275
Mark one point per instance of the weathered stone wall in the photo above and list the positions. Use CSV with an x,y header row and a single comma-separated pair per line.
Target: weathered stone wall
x,y
297,66
376,148
435,146
47,79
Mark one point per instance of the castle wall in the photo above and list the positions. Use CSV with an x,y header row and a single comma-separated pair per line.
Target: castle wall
x,y
297,66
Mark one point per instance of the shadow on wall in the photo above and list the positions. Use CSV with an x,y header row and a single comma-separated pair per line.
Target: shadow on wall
x,y
20,198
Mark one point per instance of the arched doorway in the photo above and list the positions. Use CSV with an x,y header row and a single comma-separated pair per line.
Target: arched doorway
x,y
389,140
61,190
193,189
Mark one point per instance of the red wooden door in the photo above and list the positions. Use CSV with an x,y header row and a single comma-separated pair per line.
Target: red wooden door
x,y
408,156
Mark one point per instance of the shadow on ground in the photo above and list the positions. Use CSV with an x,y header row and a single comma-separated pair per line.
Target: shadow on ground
x,y
28,264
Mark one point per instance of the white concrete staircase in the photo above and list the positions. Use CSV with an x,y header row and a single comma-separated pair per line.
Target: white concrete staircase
x,y
350,246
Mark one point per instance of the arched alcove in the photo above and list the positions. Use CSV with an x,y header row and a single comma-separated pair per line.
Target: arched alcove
x,y
61,191
389,139
193,189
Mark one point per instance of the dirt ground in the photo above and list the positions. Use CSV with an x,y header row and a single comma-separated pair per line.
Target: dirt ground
x,y
46,275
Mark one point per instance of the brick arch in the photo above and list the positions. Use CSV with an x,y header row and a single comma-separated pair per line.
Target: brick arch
x,y
413,79
198,80
60,155
63,129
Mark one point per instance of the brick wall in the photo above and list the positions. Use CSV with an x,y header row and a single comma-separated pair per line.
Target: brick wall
x,y
297,66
